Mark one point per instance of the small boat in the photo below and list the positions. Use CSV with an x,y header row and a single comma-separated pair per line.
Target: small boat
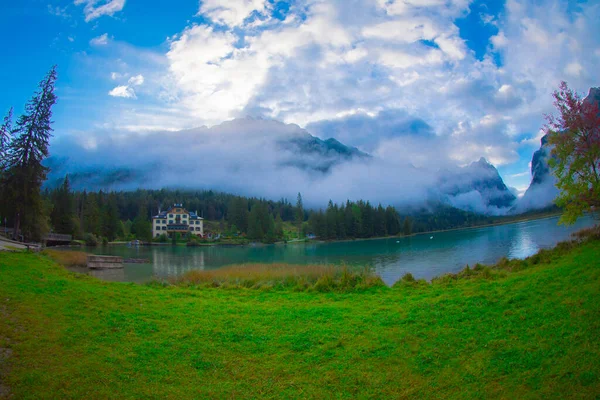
x,y
431,237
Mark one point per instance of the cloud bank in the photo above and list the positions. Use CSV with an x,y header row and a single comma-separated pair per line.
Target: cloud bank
x,y
403,80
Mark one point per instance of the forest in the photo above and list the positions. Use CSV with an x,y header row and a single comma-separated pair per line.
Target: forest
x,y
108,216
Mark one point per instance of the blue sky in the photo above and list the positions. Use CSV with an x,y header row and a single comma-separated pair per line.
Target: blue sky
x,y
467,78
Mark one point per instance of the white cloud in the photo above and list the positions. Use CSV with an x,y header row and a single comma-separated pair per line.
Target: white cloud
x,y
521,174
231,12
58,11
499,40
96,8
101,40
123,91
136,80
573,69
329,61
407,30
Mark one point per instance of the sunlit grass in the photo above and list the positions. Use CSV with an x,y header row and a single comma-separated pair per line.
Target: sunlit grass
x,y
521,329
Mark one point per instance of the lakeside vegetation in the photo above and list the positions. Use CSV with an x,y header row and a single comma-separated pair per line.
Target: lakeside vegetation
x,y
98,217
520,329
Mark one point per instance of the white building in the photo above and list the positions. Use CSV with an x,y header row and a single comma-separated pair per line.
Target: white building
x,y
177,220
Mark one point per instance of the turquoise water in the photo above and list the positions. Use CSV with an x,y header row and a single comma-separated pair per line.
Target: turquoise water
x,y
425,256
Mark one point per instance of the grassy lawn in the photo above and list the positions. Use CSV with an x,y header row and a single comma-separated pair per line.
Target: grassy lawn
x,y
529,331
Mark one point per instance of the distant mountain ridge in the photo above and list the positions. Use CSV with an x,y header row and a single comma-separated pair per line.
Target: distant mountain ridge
x,y
324,154
252,149
475,186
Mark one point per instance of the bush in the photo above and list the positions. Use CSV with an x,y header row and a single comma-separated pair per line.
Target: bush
x,y
68,258
90,240
319,278
163,238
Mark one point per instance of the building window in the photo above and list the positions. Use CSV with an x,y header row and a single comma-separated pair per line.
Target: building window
x,y
198,229
170,215
164,228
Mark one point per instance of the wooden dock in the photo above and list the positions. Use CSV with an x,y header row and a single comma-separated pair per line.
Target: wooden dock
x,y
104,262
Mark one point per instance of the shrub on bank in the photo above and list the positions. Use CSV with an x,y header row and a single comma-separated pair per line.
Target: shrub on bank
x,y
318,278
91,240
67,258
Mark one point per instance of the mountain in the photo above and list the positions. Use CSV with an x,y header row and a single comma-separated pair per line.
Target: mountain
x,y
148,160
312,153
267,158
477,187
542,190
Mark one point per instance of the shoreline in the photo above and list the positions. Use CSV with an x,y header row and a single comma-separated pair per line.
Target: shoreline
x,y
318,241
534,218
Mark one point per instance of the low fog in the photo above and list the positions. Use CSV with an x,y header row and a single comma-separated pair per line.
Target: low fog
x,y
247,156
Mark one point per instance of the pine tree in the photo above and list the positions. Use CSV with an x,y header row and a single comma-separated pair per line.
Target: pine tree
x,y
141,227
299,214
255,226
63,212
279,226
91,215
110,218
392,221
237,213
5,138
25,172
407,228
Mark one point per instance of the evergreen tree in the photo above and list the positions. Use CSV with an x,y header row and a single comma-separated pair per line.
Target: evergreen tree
x,y
25,172
63,212
299,214
331,221
5,138
279,226
255,225
350,220
141,227
110,218
392,221
237,213
91,215
407,228
379,225
367,220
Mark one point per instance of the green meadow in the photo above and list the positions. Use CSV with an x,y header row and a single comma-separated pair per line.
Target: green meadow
x,y
518,330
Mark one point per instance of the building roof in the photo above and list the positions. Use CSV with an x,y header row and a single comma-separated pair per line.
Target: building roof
x,y
163,214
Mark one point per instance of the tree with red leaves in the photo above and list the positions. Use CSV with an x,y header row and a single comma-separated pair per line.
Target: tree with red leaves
x,y
575,137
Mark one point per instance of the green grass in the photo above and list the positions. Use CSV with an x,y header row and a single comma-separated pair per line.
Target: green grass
x,y
522,330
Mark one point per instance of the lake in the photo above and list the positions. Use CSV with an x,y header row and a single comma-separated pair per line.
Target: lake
x,y
425,255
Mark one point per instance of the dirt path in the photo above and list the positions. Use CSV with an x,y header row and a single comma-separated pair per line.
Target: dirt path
x,y
8,245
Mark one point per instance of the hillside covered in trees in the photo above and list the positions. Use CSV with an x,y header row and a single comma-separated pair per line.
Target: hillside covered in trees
x,y
113,216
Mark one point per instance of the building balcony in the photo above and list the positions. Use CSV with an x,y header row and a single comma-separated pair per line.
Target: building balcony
x,y
178,228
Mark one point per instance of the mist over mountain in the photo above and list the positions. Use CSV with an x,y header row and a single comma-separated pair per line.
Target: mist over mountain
x,y
267,158
542,190
477,187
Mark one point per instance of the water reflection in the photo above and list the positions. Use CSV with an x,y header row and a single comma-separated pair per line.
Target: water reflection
x,y
421,255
